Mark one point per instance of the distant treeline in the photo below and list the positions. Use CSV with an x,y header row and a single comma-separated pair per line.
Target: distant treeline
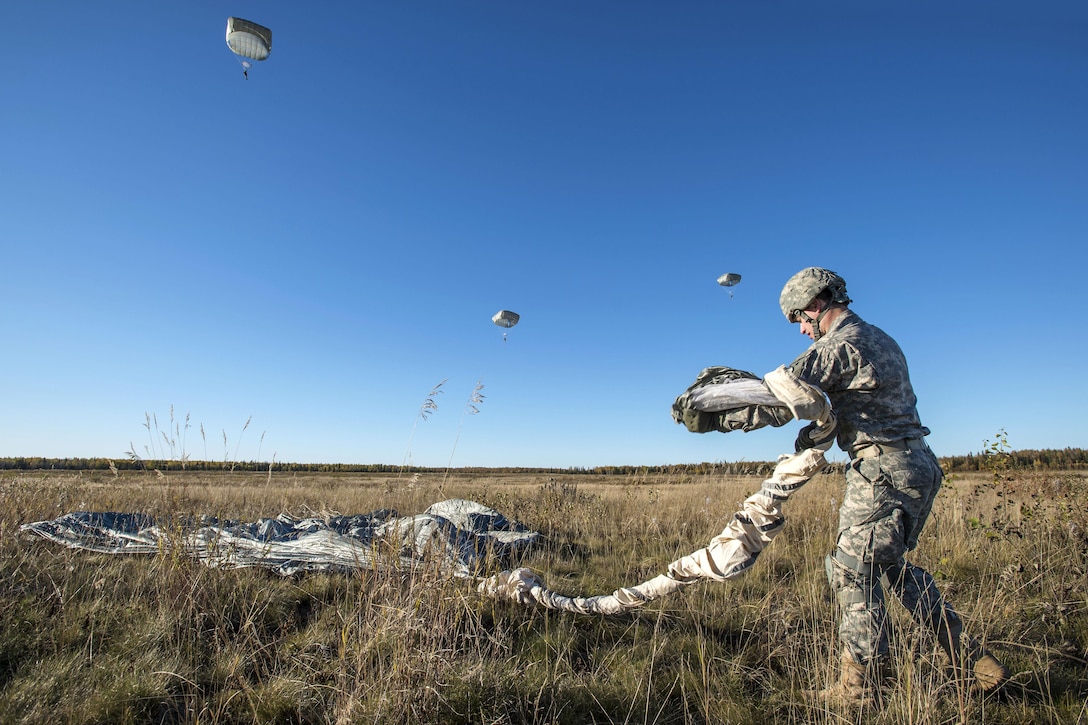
x,y
105,464
1053,460
1064,459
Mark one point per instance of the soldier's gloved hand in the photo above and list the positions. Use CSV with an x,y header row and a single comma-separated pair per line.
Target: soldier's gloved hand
x,y
813,435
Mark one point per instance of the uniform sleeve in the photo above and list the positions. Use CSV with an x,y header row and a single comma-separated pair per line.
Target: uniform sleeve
x,y
830,369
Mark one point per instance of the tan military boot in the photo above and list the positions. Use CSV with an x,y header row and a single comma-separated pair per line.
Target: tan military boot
x,y
971,661
989,672
853,688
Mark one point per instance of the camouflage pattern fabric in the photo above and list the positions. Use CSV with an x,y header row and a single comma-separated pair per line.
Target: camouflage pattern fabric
x,y
888,499
743,418
457,535
728,555
803,287
864,374
888,496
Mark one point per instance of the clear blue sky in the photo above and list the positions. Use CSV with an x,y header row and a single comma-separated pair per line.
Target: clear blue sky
x,y
317,247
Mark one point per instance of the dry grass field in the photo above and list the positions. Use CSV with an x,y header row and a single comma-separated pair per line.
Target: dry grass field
x,y
92,638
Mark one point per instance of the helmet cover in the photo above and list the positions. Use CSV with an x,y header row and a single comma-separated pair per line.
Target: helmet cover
x,y
806,285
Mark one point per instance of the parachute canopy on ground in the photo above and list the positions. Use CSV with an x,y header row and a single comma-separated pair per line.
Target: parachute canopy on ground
x,y
248,40
506,318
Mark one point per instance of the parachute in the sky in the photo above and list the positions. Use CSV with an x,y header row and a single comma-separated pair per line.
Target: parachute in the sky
x,y
729,279
507,319
249,41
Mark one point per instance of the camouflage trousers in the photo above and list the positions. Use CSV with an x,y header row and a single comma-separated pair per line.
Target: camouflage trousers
x,y
888,499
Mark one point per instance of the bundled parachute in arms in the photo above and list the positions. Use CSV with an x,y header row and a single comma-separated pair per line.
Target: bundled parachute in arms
x,y
248,41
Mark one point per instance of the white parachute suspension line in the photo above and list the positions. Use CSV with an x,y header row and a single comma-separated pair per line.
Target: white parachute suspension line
x,y
728,555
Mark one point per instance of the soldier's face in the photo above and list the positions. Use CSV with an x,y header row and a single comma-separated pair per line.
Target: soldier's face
x,y
806,328
808,321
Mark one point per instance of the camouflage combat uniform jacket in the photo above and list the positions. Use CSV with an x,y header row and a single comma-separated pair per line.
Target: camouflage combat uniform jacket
x,y
891,483
864,374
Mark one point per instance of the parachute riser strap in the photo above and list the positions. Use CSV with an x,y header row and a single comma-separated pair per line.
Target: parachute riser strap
x,y
726,557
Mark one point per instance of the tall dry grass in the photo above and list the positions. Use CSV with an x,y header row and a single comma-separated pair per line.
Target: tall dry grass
x,y
88,638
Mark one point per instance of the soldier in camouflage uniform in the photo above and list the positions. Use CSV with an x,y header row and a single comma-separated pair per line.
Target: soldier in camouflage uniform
x,y
891,482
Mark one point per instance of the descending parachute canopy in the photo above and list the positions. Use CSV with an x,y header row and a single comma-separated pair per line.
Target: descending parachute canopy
x,y
248,40
507,319
728,280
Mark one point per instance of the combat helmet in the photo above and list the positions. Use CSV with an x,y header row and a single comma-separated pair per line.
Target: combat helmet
x,y
804,287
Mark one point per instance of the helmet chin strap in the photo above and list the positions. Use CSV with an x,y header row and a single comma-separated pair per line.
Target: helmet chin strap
x,y
817,333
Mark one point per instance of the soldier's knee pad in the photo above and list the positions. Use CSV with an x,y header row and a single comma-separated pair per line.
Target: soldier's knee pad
x,y
850,579
829,571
